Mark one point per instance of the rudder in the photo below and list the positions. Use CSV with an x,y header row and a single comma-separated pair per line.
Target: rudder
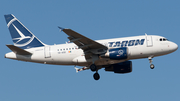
x,y
21,36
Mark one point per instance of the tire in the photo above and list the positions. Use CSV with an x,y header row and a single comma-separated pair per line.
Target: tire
x,y
93,67
152,66
96,76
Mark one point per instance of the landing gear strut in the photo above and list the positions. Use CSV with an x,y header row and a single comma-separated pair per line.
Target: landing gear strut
x,y
150,61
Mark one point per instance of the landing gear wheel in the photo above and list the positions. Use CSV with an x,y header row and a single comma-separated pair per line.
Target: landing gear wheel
x,y
96,76
150,61
93,67
152,66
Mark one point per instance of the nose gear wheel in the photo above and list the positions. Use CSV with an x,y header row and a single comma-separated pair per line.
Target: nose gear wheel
x,y
150,61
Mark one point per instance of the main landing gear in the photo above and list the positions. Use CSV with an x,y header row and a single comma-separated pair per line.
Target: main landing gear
x,y
94,68
150,61
96,76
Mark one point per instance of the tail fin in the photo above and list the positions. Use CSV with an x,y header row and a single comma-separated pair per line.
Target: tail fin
x,y
21,36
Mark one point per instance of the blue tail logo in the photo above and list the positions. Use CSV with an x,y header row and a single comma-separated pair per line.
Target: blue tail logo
x,y
21,36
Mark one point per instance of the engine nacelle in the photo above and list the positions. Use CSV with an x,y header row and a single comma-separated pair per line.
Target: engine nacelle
x,y
117,53
123,67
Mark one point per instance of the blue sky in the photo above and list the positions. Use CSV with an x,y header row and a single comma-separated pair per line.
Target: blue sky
x,y
24,81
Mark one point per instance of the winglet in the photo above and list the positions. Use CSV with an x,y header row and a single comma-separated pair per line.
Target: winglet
x,y
18,50
61,29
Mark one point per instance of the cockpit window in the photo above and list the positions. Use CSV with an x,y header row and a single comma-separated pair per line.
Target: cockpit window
x,y
163,39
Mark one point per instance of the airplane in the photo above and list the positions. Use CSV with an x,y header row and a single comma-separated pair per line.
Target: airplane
x,y
112,54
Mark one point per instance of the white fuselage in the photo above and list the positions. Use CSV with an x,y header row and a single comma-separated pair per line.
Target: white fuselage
x,y
69,54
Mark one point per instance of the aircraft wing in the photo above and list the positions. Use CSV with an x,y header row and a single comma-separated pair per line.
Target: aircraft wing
x,y
83,42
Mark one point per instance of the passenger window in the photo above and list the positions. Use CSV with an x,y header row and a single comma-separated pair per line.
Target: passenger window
x,y
66,48
61,49
69,48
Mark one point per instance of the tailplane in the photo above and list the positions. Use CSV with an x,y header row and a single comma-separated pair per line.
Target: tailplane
x,y
21,36
18,51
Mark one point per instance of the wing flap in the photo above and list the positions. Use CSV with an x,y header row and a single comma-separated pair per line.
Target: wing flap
x,y
18,50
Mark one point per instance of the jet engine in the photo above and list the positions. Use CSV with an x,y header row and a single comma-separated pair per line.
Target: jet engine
x,y
123,67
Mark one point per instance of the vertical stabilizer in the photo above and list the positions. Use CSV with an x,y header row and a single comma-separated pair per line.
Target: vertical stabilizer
x,y
21,36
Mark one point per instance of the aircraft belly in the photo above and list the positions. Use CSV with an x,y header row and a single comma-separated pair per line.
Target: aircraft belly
x,y
108,61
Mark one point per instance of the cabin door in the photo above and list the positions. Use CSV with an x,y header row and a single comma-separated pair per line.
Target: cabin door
x,y
149,41
47,53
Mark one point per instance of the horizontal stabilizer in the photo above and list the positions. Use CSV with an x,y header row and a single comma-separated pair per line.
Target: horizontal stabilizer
x,y
18,50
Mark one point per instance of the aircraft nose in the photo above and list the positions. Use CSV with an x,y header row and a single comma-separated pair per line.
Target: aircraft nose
x,y
174,46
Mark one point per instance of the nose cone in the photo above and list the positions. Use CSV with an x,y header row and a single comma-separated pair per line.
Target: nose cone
x,y
174,47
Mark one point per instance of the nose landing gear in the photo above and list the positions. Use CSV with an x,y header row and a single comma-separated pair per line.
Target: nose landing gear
x,y
150,61
152,66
